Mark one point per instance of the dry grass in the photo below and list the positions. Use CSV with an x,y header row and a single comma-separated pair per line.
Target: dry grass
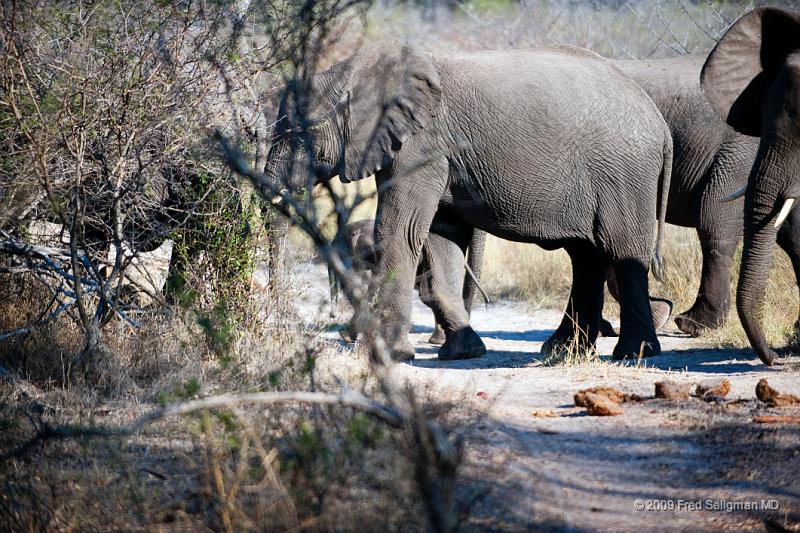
x,y
528,273
573,354
245,469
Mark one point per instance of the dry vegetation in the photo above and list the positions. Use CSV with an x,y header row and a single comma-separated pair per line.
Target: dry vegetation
x,y
250,467
526,272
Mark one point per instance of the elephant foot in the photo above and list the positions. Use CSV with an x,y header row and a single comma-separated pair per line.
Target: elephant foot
x,y
606,329
401,350
688,325
464,344
697,323
560,344
661,309
634,348
438,336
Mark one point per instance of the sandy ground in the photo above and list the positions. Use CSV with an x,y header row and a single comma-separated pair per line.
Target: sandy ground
x,y
533,460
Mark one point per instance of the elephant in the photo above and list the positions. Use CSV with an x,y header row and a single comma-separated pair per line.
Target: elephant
x,y
551,145
710,160
445,278
752,80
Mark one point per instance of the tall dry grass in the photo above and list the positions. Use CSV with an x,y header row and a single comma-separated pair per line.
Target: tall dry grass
x,y
528,273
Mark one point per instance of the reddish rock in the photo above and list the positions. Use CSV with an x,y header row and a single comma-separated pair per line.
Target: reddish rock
x,y
713,389
768,395
669,390
598,405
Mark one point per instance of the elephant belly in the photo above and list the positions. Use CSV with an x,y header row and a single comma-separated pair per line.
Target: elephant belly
x,y
522,209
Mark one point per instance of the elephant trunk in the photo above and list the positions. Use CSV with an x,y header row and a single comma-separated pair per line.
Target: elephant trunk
x,y
764,198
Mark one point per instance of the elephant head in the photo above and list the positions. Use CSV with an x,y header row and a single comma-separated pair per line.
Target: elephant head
x,y
352,119
752,79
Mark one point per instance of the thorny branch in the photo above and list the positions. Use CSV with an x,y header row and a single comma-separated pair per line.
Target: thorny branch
x,y
347,397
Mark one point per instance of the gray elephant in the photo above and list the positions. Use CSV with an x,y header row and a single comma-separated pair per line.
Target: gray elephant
x,y
445,281
710,160
550,145
752,79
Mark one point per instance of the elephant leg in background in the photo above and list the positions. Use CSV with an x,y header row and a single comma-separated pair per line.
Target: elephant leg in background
x,y
449,244
477,247
581,320
719,227
278,231
661,308
427,283
789,240
440,288
713,302
474,262
175,290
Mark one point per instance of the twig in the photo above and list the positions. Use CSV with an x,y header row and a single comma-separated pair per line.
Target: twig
x,y
347,397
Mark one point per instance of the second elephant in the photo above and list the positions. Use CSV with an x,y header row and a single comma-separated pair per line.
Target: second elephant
x,y
710,161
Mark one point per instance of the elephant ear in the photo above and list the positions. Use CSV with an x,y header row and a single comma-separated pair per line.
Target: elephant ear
x,y
393,93
745,62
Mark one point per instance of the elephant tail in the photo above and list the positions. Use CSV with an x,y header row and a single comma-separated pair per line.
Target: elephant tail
x,y
657,262
473,267
474,279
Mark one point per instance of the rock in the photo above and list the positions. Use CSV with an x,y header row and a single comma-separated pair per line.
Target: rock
x,y
669,390
768,395
598,405
713,389
611,393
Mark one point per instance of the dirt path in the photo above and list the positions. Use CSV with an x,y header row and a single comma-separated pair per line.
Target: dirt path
x,y
693,465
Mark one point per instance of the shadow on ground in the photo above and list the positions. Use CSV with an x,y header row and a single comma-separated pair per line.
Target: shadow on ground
x,y
574,480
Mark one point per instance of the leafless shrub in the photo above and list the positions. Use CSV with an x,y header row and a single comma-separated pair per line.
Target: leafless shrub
x,y
161,84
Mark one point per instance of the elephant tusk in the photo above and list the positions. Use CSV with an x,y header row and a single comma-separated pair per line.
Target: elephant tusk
x,y
785,210
734,195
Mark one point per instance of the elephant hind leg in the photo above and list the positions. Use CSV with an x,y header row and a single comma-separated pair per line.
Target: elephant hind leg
x,y
637,334
581,322
661,308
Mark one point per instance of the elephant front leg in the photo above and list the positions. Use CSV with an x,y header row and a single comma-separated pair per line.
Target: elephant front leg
x,y
581,323
406,206
789,240
713,302
637,336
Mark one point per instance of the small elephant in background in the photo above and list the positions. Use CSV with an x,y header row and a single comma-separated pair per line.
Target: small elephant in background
x,y
444,275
